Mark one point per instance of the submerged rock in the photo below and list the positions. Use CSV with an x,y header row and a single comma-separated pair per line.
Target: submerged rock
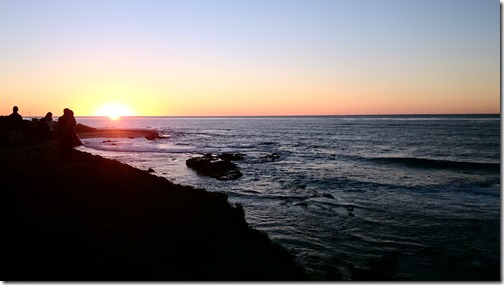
x,y
231,156
327,195
215,167
323,195
151,136
270,158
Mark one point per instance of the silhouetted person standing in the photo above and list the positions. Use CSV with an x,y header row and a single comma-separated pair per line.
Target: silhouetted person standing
x,y
67,134
15,125
46,128
75,139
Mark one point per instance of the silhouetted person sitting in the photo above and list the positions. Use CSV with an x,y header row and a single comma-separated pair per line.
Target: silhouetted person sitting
x,y
15,125
67,135
45,127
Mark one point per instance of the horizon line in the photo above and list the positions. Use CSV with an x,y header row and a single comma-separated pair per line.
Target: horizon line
x,y
286,116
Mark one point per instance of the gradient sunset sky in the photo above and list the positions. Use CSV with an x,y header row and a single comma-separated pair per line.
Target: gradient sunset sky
x,y
260,57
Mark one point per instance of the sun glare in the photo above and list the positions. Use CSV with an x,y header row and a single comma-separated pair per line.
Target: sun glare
x,y
114,111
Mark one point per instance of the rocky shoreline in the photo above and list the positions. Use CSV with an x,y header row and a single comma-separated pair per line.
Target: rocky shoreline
x,y
96,219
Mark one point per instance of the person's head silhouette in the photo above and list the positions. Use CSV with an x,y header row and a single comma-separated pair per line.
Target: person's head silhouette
x,y
15,109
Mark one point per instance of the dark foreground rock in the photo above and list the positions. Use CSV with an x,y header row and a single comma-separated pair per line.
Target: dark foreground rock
x,y
100,220
219,167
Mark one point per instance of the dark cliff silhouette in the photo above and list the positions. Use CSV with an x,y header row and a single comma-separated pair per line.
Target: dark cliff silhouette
x,y
100,220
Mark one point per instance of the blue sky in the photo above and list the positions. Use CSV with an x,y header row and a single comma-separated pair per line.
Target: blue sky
x,y
324,43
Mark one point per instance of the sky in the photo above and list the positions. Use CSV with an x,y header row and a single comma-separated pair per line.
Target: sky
x,y
249,58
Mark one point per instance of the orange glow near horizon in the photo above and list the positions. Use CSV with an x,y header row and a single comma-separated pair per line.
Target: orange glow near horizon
x,y
114,111
249,96
336,59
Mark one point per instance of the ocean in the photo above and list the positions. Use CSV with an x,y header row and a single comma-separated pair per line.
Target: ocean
x,y
417,196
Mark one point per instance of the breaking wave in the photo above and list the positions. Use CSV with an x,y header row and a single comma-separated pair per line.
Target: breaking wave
x,y
438,164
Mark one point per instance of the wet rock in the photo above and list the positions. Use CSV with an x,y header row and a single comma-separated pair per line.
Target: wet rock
x,y
214,167
231,156
150,170
270,157
229,175
151,136
111,142
318,195
327,195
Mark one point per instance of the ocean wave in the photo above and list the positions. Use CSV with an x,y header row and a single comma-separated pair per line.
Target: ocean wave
x,y
438,164
115,146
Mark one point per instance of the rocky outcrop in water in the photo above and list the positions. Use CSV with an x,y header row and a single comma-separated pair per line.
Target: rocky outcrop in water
x,y
85,132
216,166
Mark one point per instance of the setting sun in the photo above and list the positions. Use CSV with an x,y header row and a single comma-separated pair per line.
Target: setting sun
x,y
114,111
